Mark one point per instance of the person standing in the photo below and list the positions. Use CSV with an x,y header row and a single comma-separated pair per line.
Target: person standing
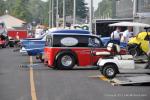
x,y
126,35
38,31
115,35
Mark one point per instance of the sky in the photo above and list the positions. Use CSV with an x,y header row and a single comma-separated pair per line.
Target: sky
x,y
95,2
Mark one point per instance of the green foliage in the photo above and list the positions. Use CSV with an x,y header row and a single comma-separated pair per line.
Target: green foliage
x,y
29,10
2,7
81,9
20,10
104,9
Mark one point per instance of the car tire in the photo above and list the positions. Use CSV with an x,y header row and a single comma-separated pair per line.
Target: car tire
x,y
66,61
134,51
11,44
41,59
3,46
109,71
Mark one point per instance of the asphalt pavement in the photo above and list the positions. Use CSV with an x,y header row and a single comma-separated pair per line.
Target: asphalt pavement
x,y
16,82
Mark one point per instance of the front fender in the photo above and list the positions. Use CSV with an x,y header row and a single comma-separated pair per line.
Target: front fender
x,y
134,40
102,62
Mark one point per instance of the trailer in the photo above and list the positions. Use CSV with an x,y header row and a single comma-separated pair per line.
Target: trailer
x,y
15,36
126,79
131,80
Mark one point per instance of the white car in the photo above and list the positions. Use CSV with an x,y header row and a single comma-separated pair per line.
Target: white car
x,y
114,63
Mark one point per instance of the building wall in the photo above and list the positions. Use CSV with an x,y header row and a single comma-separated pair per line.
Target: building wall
x,y
143,6
124,8
143,11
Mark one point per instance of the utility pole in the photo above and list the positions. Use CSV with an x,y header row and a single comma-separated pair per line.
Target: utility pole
x,y
91,16
57,14
135,17
74,12
64,14
50,15
113,8
134,8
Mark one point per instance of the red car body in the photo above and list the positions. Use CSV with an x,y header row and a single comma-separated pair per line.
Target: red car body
x,y
83,54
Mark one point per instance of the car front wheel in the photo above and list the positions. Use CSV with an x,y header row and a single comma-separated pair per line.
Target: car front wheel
x,y
109,71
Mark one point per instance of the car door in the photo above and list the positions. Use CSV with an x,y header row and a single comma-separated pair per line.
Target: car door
x,y
82,50
96,46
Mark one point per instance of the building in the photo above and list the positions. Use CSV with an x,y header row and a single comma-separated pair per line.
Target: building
x,y
124,8
139,10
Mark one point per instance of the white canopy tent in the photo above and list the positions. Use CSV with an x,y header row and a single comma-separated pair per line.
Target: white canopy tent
x,y
11,22
136,24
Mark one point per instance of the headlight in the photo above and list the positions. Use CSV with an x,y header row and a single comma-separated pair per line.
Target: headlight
x,y
99,61
9,37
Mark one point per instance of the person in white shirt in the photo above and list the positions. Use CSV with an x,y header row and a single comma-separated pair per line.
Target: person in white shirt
x,y
126,35
38,31
115,35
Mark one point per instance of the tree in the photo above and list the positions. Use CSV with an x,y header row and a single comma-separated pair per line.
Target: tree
x,y
2,7
104,9
39,11
80,8
20,10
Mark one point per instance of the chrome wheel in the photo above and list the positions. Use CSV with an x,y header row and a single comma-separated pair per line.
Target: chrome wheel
x,y
66,60
110,72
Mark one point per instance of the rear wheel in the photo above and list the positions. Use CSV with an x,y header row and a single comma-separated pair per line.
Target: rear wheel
x,y
134,50
66,61
41,58
3,46
109,71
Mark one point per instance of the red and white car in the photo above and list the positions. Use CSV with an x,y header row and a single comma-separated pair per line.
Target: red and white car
x,y
64,51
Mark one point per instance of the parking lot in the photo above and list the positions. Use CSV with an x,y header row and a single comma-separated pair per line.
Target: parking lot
x,y
43,83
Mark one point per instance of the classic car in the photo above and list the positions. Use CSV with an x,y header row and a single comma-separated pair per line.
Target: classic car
x,y
64,51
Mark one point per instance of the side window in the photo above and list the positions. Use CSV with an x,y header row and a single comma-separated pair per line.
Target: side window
x,y
49,41
94,42
70,41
